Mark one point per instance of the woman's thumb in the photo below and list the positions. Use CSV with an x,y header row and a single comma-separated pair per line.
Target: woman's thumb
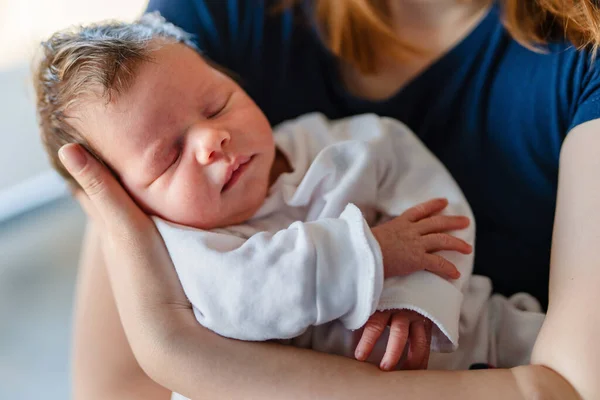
x,y
77,161
103,191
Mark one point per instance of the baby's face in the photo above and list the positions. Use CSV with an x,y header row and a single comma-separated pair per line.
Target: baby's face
x,y
186,141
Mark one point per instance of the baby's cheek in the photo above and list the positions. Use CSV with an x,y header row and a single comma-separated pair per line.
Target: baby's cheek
x,y
155,200
189,205
179,199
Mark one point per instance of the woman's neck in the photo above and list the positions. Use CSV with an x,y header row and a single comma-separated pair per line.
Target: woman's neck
x,y
432,27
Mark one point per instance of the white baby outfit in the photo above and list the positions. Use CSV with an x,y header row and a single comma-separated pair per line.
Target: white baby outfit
x,y
307,268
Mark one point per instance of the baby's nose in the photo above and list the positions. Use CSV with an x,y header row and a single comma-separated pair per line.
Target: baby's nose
x,y
212,143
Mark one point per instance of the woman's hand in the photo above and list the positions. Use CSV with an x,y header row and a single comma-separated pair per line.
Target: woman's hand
x,y
149,297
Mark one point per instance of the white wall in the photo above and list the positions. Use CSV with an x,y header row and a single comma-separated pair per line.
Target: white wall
x,y
23,25
38,249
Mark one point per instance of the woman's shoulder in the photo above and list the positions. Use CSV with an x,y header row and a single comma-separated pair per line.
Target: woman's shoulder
x,y
558,73
230,32
536,84
578,74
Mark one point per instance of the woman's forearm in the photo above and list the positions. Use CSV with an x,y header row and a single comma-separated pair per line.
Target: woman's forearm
x,y
103,364
200,364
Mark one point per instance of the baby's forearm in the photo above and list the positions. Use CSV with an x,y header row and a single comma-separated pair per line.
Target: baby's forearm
x,y
306,275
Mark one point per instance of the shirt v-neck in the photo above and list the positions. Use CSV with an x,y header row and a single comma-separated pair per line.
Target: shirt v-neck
x,y
453,57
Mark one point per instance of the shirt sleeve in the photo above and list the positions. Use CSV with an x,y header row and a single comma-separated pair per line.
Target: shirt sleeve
x,y
409,174
228,32
276,285
192,16
212,23
588,99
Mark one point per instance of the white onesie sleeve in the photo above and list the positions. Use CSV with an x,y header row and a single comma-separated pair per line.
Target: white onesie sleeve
x,y
391,171
411,174
276,285
406,174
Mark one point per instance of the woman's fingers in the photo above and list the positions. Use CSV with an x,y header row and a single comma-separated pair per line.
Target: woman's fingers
x,y
371,333
442,241
399,329
442,223
440,266
425,210
106,197
418,344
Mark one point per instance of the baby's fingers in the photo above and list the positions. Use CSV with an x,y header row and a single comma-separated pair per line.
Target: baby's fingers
x,y
428,328
442,223
399,329
418,347
440,266
425,210
371,333
442,241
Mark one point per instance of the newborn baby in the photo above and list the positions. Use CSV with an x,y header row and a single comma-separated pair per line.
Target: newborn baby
x,y
271,233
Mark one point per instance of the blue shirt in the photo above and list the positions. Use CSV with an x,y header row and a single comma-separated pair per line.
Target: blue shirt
x,y
494,112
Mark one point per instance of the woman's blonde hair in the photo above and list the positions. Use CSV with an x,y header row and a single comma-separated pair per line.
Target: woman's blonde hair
x,y
357,30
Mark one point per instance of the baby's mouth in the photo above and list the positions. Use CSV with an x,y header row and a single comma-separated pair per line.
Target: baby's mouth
x,y
235,171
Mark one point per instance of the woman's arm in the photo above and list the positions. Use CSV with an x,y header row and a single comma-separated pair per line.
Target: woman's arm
x,y
568,341
179,354
103,364
234,369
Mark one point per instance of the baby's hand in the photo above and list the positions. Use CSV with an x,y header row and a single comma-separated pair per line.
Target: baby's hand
x,y
408,241
406,327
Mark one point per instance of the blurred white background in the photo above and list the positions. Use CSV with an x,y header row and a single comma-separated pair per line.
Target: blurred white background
x,y
40,226
23,25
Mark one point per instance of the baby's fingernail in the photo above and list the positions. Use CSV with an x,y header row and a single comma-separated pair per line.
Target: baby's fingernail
x,y
385,366
72,157
360,355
